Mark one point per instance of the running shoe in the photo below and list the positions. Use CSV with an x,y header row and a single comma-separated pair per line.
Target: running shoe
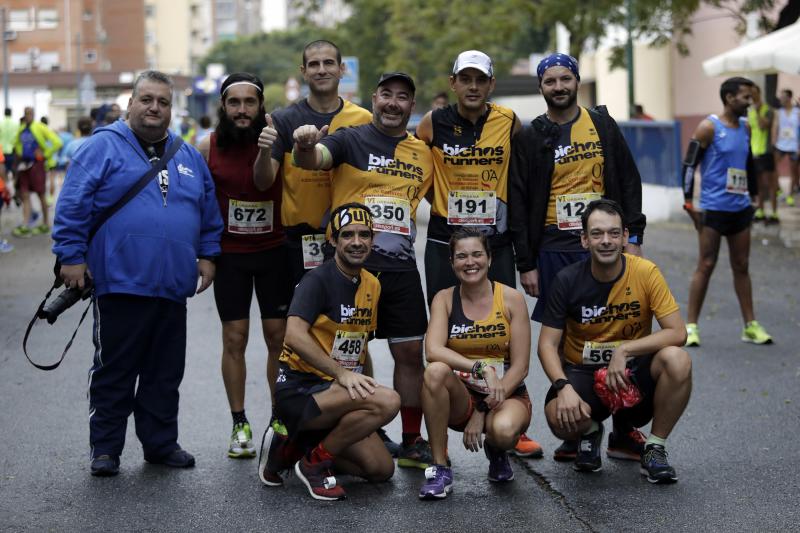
x,y
105,466
278,426
627,446
416,455
22,232
773,220
755,333
527,447
270,460
758,216
6,247
566,451
655,466
319,480
179,458
241,446
41,229
790,200
391,446
692,335
499,467
588,458
438,483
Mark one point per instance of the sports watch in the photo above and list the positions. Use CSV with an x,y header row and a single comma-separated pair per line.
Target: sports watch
x,y
560,384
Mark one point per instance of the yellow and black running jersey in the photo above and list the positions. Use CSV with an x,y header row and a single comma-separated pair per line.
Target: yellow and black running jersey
x,y
470,178
578,173
343,315
596,316
306,193
390,175
488,337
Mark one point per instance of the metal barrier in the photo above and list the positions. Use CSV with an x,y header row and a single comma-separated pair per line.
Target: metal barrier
x,y
656,147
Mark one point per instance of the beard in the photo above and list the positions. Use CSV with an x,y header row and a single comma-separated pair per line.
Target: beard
x,y
573,97
229,134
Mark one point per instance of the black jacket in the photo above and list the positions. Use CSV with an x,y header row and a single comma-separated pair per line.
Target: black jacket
x,y
530,176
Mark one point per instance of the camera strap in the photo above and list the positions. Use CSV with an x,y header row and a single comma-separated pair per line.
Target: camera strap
x,y
33,321
151,173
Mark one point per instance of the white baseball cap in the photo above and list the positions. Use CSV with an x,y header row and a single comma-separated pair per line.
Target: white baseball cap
x,y
474,59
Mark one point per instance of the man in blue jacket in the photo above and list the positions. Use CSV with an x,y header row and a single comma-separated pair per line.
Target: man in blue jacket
x,y
144,262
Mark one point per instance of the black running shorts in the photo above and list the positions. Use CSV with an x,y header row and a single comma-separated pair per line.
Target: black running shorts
x,y
238,274
728,222
401,308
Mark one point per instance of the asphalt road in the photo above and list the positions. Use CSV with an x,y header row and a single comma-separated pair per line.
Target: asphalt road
x,y
735,449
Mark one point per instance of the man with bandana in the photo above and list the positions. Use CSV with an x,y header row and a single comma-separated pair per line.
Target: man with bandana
x,y
566,158
330,408
253,256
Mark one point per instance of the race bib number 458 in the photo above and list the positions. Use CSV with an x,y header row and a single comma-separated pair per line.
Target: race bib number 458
x,y
249,217
348,346
392,215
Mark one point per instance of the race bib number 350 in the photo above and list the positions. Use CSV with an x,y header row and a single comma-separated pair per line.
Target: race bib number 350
x,y
598,353
570,207
737,181
471,208
392,215
348,346
312,251
249,217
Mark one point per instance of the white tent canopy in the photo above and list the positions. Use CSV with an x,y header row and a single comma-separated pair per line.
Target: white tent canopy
x,y
778,51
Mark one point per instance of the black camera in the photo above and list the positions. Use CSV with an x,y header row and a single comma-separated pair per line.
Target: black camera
x,y
66,299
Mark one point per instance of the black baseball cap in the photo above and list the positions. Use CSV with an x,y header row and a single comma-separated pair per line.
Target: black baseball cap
x,y
387,76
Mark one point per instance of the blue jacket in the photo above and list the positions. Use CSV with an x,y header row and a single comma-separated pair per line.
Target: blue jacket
x,y
147,248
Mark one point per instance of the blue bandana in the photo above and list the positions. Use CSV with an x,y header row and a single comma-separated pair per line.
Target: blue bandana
x,y
558,60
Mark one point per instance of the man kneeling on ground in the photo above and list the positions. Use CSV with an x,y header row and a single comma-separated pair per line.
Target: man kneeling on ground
x,y
606,304
330,409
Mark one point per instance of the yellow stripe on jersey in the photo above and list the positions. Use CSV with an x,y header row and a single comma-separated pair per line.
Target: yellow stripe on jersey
x,y
343,339
306,193
579,164
480,167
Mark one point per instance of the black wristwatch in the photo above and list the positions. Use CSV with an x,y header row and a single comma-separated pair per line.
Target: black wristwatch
x,y
560,384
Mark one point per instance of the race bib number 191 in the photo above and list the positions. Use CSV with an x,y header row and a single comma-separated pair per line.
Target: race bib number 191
x,y
312,251
249,217
348,346
570,207
471,208
392,215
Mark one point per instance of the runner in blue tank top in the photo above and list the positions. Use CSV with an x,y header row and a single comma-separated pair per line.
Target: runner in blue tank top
x,y
721,144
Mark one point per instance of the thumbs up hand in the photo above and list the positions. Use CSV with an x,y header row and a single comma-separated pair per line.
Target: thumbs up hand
x,y
308,136
268,134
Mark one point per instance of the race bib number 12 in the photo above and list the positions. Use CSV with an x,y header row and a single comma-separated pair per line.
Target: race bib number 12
x,y
570,207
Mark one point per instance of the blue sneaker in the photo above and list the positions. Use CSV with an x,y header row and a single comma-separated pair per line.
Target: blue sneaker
x,y
499,467
438,483
6,247
654,465
105,466
588,458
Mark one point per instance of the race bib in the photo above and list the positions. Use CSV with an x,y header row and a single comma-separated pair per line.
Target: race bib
x,y
249,218
471,208
392,215
570,207
737,181
786,133
312,250
598,353
348,347
479,385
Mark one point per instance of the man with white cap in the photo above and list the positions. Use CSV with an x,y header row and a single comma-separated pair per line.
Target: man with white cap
x,y
568,157
471,145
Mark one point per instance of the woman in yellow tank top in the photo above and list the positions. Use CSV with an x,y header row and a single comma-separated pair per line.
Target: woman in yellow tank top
x,y
478,348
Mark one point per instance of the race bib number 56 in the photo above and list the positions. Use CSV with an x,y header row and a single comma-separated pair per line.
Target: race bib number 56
x,y
392,215
598,353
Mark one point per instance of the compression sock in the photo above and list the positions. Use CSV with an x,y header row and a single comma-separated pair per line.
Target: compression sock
x,y
594,427
319,454
652,439
239,417
411,418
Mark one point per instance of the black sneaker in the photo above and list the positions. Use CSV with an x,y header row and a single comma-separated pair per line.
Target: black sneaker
x,y
566,452
105,466
179,458
588,458
655,465
391,446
